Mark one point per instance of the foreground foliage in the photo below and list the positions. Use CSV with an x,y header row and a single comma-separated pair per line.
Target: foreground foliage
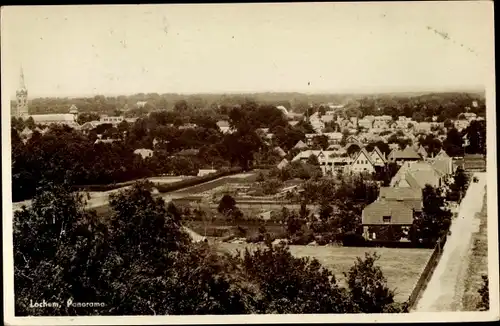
x,y
141,262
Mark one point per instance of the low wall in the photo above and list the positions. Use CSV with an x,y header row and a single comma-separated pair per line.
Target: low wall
x,y
426,274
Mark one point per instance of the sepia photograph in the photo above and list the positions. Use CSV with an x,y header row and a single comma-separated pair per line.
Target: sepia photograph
x,y
249,163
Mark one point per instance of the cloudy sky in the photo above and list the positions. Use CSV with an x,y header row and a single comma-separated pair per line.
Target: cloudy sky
x,y
354,47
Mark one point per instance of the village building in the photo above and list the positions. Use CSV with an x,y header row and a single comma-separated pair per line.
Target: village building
x,y
395,208
377,157
144,152
203,172
300,145
401,156
362,163
281,165
224,126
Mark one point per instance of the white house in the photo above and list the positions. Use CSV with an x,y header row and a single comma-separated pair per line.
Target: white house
x,y
362,162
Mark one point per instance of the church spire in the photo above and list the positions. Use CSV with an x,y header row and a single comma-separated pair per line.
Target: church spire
x,y
21,80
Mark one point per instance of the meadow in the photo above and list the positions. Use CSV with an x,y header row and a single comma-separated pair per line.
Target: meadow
x,y
401,267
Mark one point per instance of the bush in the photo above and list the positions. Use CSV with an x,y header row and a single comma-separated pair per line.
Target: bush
x,y
255,238
352,239
484,292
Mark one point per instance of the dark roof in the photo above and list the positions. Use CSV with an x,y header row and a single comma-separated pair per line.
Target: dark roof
x,y
188,152
407,154
401,213
400,193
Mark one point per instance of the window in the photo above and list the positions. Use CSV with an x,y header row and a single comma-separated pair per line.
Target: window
x,y
386,219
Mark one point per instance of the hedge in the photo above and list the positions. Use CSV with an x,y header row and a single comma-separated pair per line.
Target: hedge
x,y
162,188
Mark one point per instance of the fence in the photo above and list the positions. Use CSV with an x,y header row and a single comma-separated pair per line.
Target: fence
x,y
427,273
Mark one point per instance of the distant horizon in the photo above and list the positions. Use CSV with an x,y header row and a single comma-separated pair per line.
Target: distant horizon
x,y
477,89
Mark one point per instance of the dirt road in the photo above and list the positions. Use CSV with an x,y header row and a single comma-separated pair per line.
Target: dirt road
x,y
444,291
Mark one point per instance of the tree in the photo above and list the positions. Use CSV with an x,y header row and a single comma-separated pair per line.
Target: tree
x,y
484,304
226,204
417,116
476,137
460,181
313,160
320,142
453,144
287,284
58,247
368,288
181,106
434,221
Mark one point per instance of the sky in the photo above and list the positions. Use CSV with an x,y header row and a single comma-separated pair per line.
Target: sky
x,y
230,48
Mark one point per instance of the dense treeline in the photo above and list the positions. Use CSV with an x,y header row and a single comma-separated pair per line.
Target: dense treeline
x,y
80,158
139,261
419,106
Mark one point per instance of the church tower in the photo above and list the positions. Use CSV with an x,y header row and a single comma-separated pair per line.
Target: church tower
x,y
22,98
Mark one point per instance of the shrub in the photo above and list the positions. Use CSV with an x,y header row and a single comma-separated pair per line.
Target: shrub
x,y
352,239
484,292
368,287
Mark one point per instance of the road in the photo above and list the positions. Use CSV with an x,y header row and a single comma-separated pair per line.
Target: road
x,y
101,198
444,291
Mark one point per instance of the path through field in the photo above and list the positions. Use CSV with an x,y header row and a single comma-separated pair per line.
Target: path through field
x,y
444,291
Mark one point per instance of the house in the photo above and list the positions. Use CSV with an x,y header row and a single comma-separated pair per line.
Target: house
x,y
141,104
224,126
326,118
417,175
26,133
203,172
87,126
362,162
300,145
105,141
400,156
422,152
188,126
378,158
188,152
382,213
73,110
461,124
278,150
365,123
333,137
57,118
328,161
293,123
144,152
265,215
316,122
441,154
395,207
424,127
114,120
281,165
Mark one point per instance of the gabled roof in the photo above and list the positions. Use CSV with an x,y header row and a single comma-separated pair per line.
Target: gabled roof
x,y
282,164
396,193
442,154
400,212
26,131
363,151
300,144
422,151
377,151
407,154
223,124
443,165
278,150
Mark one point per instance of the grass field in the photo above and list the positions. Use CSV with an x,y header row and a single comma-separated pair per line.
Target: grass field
x,y
478,263
401,267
